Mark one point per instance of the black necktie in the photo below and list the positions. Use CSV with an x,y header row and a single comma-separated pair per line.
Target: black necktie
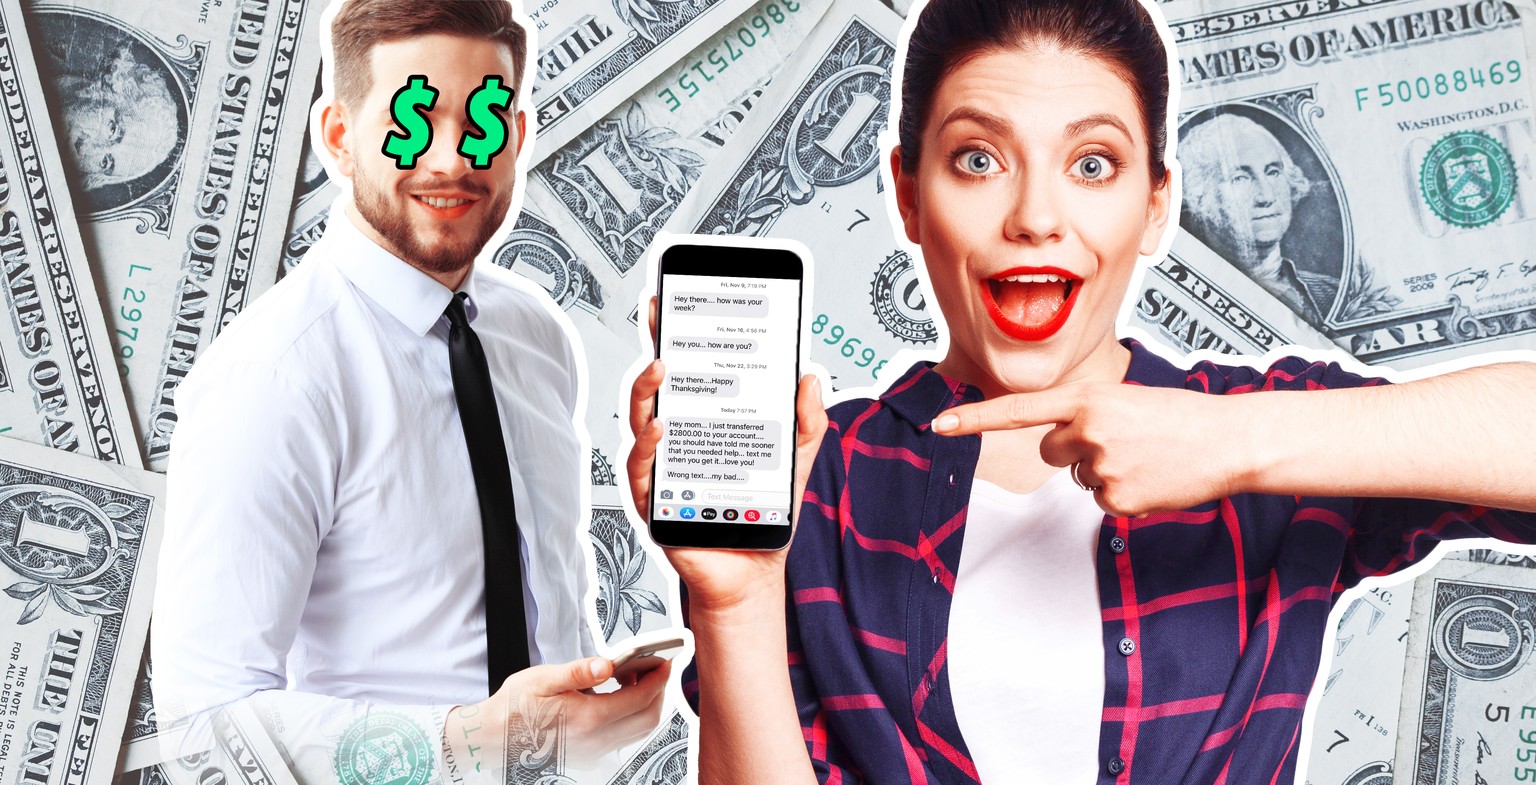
x,y
506,632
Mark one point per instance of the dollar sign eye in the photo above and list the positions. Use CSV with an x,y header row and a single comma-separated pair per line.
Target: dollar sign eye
x,y
1092,167
976,162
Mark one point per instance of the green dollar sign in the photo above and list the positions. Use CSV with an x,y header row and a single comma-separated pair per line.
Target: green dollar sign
x,y
408,110
481,149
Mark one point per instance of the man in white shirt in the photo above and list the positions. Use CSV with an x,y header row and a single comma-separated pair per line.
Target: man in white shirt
x,y
324,522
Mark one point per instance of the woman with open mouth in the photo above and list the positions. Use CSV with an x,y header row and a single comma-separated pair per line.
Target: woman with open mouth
x,y
1128,577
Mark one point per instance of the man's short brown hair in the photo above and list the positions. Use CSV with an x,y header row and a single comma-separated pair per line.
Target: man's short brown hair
x,y
361,25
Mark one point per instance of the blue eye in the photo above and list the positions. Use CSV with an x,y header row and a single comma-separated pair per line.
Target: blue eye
x,y
977,162
1094,167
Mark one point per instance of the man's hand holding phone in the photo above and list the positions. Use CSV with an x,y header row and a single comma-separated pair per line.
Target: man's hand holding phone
x,y
547,712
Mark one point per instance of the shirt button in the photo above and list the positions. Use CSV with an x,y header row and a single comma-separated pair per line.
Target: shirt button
x,y
1115,765
1127,646
1117,545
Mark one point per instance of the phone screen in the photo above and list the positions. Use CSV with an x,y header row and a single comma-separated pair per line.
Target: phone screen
x,y
731,347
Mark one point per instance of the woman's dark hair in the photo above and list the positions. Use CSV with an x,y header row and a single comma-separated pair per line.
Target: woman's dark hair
x,y
1119,32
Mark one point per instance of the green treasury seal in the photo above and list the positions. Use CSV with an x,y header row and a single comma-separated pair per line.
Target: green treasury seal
x,y
381,748
1468,179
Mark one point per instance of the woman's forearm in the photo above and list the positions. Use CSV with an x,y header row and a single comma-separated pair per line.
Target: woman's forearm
x,y
1467,436
749,731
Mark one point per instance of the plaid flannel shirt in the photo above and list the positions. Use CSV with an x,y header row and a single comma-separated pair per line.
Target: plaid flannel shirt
x,y
1213,616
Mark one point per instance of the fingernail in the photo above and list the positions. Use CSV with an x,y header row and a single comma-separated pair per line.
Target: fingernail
x,y
596,666
946,423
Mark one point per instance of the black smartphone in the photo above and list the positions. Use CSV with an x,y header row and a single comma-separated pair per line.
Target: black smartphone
x,y
728,331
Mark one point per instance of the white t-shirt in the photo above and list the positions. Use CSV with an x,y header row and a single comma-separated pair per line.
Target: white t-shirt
x,y
1026,643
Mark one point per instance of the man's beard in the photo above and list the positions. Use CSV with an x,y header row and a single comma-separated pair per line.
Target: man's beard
x,y
393,223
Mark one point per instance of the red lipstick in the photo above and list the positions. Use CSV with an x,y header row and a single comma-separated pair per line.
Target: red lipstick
x,y
1028,332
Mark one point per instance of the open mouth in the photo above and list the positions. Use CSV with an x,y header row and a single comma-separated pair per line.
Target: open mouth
x,y
1030,303
445,206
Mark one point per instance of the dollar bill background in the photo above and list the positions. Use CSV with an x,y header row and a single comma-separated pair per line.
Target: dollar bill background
x,y
1400,233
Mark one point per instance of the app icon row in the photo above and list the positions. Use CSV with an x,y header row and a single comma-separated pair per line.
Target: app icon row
x,y
729,514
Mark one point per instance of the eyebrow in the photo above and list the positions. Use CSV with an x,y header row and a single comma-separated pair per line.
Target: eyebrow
x,y
1080,127
1001,127
991,122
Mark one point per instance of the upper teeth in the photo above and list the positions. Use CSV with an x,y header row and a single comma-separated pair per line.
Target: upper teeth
x,y
1038,278
442,203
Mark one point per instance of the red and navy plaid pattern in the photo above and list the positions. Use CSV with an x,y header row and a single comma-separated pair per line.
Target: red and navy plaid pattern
x,y
1213,616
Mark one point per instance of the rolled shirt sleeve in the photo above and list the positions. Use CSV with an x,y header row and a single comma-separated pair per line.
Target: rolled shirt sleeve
x,y
1389,534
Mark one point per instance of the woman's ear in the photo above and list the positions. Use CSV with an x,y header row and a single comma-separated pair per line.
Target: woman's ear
x,y
334,134
906,196
1158,202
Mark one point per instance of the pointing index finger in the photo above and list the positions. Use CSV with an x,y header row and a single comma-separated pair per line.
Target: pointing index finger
x,y
1018,410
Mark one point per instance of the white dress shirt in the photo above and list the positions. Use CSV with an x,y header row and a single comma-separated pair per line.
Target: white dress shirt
x,y
322,528
1026,641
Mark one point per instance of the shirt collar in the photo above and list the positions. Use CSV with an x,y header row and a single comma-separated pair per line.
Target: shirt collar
x,y
921,393
408,294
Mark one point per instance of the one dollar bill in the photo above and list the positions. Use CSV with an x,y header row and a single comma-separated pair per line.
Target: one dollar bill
x,y
806,167
78,542
180,124
58,378
593,54
1469,686
592,208
1367,165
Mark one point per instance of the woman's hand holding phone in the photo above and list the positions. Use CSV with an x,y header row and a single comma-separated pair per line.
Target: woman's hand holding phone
x,y
718,578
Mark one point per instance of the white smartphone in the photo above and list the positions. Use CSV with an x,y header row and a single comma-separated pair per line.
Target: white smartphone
x,y
642,658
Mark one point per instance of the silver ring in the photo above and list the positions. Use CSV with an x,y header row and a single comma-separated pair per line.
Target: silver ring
x,y
1080,483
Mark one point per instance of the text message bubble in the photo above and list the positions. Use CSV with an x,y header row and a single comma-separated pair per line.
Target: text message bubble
x,y
746,306
720,450
719,385
691,344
